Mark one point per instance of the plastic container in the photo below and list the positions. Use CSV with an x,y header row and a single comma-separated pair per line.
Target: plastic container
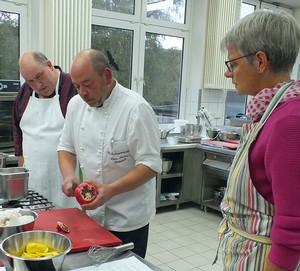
x,y
172,140
178,123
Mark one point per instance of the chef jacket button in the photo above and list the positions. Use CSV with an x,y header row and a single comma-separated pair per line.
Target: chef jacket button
x,y
81,148
82,128
98,170
89,109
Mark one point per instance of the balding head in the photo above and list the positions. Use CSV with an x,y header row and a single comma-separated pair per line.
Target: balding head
x,y
30,57
38,72
92,77
94,57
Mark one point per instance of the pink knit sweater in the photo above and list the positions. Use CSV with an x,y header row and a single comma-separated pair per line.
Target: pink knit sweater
x,y
275,172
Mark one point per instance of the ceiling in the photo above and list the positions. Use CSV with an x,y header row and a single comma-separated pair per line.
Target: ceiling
x,y
286,3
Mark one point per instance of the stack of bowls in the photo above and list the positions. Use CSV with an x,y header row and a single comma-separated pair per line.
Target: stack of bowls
x,y
166,165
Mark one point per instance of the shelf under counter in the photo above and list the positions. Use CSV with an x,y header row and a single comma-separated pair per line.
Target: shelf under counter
x,y
188,178
164,203
211,203
171,175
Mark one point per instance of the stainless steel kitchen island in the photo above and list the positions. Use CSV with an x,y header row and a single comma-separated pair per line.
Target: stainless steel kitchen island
x,y
81,259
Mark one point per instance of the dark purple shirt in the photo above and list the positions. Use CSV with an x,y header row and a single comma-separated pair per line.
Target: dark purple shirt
x,y
66,91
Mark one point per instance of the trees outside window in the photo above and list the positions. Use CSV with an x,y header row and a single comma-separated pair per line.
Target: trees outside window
x,y
145,41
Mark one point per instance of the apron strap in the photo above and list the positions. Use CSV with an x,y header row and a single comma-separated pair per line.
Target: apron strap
x,y
252,237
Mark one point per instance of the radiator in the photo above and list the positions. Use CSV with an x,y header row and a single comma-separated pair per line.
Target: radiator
x,y
69,31
221,16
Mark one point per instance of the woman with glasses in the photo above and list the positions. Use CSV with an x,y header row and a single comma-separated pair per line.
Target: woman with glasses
x,y
261,207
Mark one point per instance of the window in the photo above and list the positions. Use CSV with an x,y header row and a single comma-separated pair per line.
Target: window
x,y
116,43
235,105
10,40
126,7
146,40
246,8
166,10
162,73
13,36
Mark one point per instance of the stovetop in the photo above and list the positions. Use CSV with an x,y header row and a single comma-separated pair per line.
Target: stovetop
x,y
33,201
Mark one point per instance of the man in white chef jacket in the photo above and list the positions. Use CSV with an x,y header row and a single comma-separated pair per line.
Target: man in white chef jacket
x,y
113,132
38,117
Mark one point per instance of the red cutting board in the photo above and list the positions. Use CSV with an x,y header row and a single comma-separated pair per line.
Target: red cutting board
x,y
237,141
223,144
84,231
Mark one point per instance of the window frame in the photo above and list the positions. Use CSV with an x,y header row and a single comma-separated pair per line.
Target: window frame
x,y
140,25
20,7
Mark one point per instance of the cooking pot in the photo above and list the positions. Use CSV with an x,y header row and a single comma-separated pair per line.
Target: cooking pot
x,y
164,133
13,183
3,157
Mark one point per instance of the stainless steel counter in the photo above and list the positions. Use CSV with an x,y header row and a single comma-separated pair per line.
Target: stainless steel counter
x,y
79,260
12,160
182,146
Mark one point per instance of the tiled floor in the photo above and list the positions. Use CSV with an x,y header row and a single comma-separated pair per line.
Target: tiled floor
x,y
184,239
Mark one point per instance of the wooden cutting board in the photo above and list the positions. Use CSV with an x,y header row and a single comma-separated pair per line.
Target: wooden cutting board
x,y
84,231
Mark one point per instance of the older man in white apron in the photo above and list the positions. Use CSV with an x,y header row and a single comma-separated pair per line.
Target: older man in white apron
x,y
41,124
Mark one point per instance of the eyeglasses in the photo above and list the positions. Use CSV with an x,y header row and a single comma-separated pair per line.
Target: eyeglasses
x,y
230,66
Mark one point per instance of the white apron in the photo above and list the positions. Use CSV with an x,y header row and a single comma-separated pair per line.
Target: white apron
x,y
42,124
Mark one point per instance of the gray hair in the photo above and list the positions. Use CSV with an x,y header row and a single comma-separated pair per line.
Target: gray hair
x,y
275,32
98,60
40,58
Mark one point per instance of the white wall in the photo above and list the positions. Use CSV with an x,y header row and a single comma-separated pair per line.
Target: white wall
x,y
196,60
214,99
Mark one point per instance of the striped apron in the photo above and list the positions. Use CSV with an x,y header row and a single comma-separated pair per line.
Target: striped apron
x,y
248,217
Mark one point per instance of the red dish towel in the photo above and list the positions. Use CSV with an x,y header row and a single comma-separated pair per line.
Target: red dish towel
x,y
232,145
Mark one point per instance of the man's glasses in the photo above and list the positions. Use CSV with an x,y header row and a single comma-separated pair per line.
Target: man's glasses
x,y
230,66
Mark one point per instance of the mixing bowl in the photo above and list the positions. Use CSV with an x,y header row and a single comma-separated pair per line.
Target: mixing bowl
x,y
6,231
50,239
212,132
191,130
